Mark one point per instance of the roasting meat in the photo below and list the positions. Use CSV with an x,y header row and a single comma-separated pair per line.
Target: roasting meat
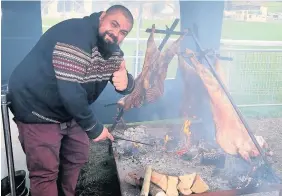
x,y
149,85
231,134
220,72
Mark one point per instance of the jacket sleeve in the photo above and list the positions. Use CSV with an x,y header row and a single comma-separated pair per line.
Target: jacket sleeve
x,y
130,85
70,64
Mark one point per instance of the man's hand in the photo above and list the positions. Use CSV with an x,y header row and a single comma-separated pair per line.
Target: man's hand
x,y
120,80
104,135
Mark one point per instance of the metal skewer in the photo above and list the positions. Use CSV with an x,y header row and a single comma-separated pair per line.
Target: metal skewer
x,y
138,142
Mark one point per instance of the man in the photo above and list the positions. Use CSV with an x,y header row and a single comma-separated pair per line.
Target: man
x,y
51,91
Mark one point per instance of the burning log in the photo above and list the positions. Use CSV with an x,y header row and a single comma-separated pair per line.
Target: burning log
x,y
231,134
149,85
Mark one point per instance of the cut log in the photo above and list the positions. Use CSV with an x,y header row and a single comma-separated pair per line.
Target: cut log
x,y
185,183
172,186
199,186
147,179
160,180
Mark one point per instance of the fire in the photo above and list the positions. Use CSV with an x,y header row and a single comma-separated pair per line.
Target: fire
x,y
187,132
186,127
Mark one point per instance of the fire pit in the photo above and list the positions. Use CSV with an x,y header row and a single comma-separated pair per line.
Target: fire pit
x,y
175,152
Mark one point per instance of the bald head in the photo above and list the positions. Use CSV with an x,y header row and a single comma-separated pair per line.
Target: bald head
x,y
115,24
121,9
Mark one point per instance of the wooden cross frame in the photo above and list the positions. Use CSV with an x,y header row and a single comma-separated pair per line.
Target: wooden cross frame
x,y
168,32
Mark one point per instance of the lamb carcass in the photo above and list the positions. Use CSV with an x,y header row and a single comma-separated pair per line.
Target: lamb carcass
x,y
149,85
231,134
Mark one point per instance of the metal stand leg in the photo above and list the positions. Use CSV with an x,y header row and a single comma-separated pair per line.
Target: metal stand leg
x,y
8,143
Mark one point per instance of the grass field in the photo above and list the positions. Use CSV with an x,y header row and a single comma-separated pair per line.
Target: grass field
x,y
230,30
253,80
270,31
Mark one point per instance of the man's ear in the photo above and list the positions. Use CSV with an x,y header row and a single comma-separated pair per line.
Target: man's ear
x,y
102,15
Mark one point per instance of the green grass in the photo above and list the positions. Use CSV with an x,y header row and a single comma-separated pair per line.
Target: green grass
x,y
273,6
268,31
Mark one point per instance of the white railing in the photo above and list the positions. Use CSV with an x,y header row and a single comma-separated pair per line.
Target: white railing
x,y
254,77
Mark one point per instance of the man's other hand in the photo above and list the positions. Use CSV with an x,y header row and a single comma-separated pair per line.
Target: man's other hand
x,y
120,80
104,135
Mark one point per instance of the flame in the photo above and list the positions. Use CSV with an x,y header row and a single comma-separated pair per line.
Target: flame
x,y
187,132
186,127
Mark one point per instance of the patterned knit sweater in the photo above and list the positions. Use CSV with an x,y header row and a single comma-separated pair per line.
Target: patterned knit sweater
x,y
63,74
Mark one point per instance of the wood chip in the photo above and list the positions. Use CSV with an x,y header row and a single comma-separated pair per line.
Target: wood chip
x,y
199,185
172,186
159,179
185,183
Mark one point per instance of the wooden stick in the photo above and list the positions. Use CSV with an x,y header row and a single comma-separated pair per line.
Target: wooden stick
x,y
147,179
154,189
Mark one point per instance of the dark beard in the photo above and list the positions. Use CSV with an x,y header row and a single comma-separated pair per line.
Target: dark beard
x,y
106,47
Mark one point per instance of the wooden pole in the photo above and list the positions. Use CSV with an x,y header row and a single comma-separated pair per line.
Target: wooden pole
x,y
147,179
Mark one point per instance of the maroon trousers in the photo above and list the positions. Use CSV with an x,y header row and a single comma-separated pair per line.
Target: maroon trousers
x,y
54,156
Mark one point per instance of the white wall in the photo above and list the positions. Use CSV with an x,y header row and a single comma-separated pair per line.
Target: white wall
x,y
19,156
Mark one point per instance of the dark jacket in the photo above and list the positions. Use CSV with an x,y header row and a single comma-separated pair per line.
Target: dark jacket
x,y
63,74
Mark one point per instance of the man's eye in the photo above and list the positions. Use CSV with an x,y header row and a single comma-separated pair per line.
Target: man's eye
x,y
123,33
114,25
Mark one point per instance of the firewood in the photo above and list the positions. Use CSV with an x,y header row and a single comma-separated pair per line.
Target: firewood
x,y
159,180
137,182
146,184
154,189
199,186
172,186
186,183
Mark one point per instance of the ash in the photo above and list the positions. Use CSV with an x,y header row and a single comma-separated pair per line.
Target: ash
x,y
132,157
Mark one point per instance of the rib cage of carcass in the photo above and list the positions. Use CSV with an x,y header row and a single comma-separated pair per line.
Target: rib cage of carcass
x,y
150,82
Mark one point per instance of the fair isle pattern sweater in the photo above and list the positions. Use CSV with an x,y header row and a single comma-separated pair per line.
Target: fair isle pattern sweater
x,y
72,64
63,75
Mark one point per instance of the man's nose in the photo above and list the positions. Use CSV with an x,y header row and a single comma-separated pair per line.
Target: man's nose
x,y
115,32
